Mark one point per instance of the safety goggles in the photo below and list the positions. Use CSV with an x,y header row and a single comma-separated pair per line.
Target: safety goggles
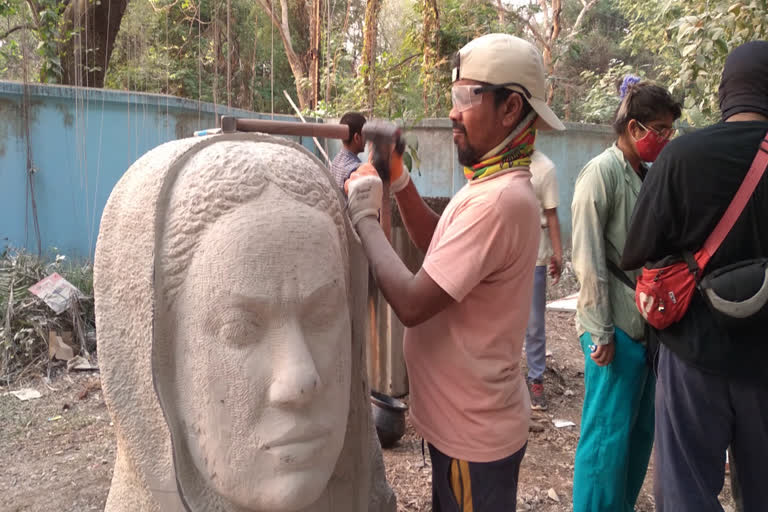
x,y
464,97
664,133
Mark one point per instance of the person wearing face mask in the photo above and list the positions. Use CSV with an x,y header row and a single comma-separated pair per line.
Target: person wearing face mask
x,y
617,415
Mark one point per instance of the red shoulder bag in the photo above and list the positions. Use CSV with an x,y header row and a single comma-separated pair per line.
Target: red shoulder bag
x,y
663,294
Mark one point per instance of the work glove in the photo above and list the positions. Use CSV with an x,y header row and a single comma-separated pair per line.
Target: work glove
x,y
364,189
398,174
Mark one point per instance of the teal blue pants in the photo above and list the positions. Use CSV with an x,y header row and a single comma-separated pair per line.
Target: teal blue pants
x,y
616,429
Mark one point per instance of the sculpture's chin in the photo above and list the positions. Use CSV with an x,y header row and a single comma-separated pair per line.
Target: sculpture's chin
x,y
281,492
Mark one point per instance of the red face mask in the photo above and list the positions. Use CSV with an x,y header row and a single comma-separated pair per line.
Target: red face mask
x,y
650,145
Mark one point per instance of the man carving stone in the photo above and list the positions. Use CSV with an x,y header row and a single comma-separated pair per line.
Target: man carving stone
x,y
467,308
231,345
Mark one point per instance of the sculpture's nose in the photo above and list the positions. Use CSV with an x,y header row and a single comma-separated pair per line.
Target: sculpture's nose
x,y
295,380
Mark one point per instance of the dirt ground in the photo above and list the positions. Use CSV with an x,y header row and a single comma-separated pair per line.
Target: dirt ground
x,y
57,452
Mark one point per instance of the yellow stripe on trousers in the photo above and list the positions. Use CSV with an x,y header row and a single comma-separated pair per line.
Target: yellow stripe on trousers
x,y
461,484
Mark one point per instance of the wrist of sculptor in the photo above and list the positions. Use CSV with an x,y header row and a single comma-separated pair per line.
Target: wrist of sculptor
x,y
398,174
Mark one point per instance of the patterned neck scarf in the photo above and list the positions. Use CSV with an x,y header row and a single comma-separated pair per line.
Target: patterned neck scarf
x,y
517,153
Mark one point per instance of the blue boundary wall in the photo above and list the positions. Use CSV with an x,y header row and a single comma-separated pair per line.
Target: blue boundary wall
x,y
81,142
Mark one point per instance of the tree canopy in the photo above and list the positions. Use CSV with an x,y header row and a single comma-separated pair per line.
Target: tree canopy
x,y
387,58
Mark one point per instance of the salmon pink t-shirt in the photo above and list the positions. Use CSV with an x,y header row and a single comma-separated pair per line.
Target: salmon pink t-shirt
x,y
467,394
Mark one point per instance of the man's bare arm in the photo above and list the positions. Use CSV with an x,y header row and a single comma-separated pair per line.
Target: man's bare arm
x,y
414,298
553,227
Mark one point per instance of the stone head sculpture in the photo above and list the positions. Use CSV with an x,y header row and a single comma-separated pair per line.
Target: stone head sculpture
x,y
227,285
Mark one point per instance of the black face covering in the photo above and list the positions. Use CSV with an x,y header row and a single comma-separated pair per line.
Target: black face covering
x,y
744,86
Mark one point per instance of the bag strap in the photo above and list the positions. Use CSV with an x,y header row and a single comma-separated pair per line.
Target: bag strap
x,y
738,203
620,274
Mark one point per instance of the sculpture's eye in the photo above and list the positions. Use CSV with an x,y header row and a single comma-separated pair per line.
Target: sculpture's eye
x,y
237,332
322,308
231,324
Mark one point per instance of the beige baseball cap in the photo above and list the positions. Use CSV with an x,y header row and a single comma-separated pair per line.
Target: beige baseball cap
x,y
503,59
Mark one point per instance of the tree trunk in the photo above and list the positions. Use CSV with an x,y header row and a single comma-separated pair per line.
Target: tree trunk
x,y
550,67
254,61
431,41
553,32
216,60
315,27
229,56
372,9
298,67
88,66
332,72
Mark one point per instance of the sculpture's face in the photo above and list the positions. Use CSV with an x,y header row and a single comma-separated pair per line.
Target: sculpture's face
x,y
263,348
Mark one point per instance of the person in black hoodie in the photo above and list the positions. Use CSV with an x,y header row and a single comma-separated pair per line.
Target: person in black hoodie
x,y
712,388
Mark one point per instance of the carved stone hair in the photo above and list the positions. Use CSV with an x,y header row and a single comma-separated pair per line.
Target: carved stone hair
x,y
226,175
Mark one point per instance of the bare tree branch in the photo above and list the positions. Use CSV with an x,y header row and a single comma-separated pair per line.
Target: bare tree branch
x,y
529,22
286,27
555,26
336,53
35,8
405,60
297,66
162,8
580,18
545,10
282,26
14,29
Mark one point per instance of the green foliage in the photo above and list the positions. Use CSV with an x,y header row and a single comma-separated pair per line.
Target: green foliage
x,y
180,47
51,37
43,38
179,55
583,59
411,159
691,39
10,57
9,8
602,98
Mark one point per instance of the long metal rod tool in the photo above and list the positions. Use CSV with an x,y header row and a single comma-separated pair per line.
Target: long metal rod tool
x,y
231,124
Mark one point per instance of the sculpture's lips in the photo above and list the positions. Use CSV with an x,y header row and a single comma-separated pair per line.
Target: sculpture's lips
x,y
300,436
300,448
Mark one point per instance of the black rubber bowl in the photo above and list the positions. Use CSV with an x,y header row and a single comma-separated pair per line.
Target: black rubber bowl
x,y
389,418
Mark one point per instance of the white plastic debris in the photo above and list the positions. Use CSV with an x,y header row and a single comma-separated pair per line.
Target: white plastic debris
x,y
26,394
79,363
56,292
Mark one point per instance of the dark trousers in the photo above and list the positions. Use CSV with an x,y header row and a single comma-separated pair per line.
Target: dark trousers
x,y
461,486
698,415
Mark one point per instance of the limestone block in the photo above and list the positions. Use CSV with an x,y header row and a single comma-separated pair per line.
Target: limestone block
x,y
230,308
